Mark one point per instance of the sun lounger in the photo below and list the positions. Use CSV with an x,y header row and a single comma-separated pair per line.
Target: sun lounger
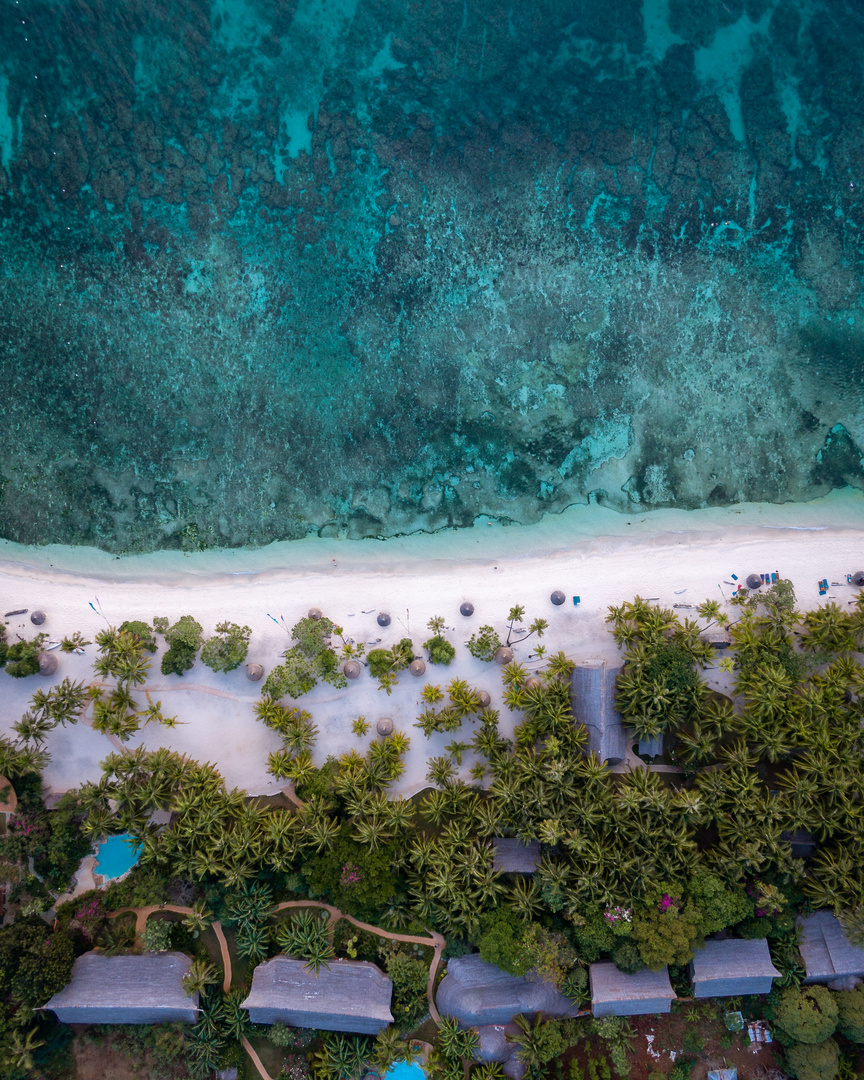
x,y
576,600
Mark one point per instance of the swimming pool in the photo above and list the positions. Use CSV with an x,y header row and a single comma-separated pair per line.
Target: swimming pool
x,y
404,1070
115,856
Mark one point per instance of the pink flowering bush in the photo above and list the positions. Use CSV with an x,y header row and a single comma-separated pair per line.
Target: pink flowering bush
x,y
351,875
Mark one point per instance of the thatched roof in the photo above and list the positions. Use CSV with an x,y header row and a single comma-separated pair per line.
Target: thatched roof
x,y
511,856
146,989
825,950
615,994
732,967
350,995
476,993
592,690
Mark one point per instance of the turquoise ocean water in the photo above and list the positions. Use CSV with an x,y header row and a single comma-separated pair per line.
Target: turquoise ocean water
x,y
278,268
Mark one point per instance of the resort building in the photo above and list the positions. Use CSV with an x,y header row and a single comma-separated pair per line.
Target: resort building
x,y
732,968
146,989
592,693
350,995
511,856
476,993
827,954
615,994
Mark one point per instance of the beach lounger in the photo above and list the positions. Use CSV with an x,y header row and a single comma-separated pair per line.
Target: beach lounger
x,y
774,577
576,600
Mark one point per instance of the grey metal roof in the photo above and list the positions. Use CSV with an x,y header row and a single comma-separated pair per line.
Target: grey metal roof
x,y
615,993
145,989
592,692
826,953
511,856
732,967
476,993
350,995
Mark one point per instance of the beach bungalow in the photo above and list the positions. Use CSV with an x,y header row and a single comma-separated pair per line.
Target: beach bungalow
x,y
146,989
592,694
511,856
476,993
350,995
827,954
732,968
615,994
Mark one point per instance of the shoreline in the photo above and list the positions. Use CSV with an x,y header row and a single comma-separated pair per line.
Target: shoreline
x,y
590,526
412,579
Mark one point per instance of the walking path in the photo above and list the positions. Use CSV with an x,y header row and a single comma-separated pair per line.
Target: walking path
x,y
435,940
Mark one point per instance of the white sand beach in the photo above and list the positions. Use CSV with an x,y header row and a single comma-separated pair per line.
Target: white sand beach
x,y
605,558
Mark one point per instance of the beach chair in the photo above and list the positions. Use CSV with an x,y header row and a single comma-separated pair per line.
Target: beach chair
x,y
823,586
576,600
774,577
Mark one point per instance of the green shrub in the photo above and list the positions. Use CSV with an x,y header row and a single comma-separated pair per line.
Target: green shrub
x,y
22,658
184,640
850,1004
484,644
228,648
808,1015
305,663
665,937
142,631
813,1061
627,958
718,903
35,962
157,935
397,658
440,650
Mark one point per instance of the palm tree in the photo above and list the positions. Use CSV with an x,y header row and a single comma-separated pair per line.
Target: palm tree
x,y
199,918
390,1047
453,1042
525,898
21,1047
441,771
200,975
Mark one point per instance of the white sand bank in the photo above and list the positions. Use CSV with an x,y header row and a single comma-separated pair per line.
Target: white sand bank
x,y
606,558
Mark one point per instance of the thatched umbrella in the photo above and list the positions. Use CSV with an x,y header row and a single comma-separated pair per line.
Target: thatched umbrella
x,y
533,683
417,667
754,581
484,699
503,655
38,617
351,670
557,598
466,608
384,726
254,672
47,663
315,613
858,577
383,618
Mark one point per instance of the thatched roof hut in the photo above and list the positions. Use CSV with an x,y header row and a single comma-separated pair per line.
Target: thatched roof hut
x,y
351,670
732,967
350,995
466,608
557,598
48,663
146,989
754,581
615,994
383,618
511,856
826,951
475,993
254,672
592,692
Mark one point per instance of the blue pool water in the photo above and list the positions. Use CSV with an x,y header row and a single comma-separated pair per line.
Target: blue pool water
x,y
115,856
404,1070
